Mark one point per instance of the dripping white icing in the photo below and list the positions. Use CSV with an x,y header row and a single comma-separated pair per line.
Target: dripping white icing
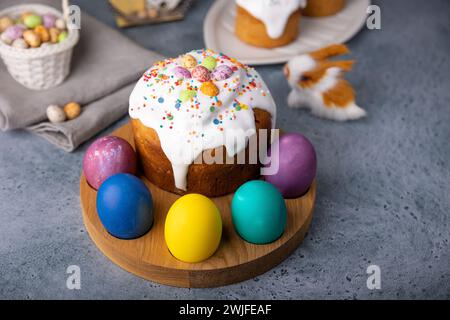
x,y
186,129
273,13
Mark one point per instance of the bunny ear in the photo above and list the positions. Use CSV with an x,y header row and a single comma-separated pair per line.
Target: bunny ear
x,y
330,51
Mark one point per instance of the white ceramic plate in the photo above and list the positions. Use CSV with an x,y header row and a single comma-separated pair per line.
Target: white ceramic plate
x,y
315,33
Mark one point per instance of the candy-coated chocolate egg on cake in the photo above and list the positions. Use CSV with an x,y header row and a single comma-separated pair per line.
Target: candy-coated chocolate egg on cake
x,y
72,110
182,73
55,114
221,73
125,206
259,212
201,74
189,61
5,22
297,165
14,32
108,156
209,63
193,228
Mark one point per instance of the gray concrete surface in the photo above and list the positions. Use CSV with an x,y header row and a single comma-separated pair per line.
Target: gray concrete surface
x,y
383,182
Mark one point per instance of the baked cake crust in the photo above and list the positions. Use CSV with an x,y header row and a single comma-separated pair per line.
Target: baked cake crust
x,y
211,180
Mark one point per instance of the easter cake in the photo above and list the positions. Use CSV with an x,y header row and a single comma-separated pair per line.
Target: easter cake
x,y
183,110
268,23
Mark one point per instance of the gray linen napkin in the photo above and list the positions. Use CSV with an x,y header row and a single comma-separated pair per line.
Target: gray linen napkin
x,y
105,67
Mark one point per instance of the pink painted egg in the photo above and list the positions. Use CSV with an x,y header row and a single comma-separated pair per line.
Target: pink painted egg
x,y
108,156
200,73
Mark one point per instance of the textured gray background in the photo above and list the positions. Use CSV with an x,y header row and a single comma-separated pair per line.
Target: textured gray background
x,y
383,182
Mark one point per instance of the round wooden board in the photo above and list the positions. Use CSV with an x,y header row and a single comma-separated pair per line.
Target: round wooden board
x,y
235,260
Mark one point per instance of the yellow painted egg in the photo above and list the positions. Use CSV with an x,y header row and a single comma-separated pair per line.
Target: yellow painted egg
x,y
193,228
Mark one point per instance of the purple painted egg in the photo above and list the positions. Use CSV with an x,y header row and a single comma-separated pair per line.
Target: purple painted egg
x,y
200,73
182,73
108,156
14,32
297,164
222,72
49,20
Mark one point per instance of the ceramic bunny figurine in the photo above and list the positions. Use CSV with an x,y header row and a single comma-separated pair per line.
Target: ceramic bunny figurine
x,y
318,84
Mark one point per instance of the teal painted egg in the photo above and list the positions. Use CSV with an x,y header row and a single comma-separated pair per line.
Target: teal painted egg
x,y
259,212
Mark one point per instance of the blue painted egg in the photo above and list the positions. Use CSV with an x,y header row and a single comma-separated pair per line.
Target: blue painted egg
x,y
125,206
258,211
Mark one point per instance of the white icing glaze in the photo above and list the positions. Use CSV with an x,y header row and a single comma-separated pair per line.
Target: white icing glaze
x,y
273,13
186,129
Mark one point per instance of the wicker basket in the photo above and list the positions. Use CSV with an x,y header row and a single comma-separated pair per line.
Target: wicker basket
x,y
38,68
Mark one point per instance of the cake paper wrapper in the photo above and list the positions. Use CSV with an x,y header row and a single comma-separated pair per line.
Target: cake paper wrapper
x,y
105,67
